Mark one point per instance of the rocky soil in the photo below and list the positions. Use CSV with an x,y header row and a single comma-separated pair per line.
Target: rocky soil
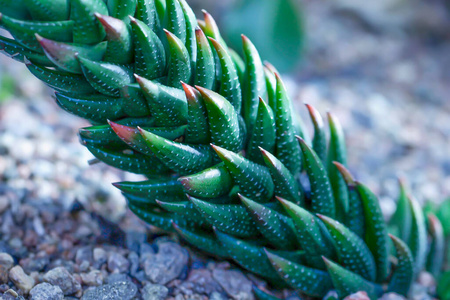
x,y
65,232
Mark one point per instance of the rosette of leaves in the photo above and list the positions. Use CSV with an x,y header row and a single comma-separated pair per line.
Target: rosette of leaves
x,y
228,164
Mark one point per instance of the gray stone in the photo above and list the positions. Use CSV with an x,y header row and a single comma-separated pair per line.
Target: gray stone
x,y
84,254
100,255
122,290
134,239
4,203
117,263
154,292
133,258
235,284
201,281
166,265
6,260
61,277
20,279
11,295
46,291
36,264
93,278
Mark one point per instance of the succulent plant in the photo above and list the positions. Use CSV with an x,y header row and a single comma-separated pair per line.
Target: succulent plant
x,y
228,164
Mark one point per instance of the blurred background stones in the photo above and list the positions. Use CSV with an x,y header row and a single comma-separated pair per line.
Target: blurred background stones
x,y
382,68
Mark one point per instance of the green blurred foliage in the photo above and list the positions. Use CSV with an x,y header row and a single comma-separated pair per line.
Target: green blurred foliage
x,y
443,289
7,87
274,26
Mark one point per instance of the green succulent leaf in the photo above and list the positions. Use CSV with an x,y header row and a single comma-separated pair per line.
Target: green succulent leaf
x,y
149,53
63,82
205,69
255,83
337,152
239,64
198,131
418,237
106,78
24,31
352,252
203,241
253,180
223,121
162,188
64,55
262,295
287,149
127,159
310,235
435,257
285,184
174,19
133,138
46,10
355,216
263,134
134,103
185,210
121,9
319,143
322,201
230,87
179,157
168,105
347,282
191,25
105,135
403,274
249,255
97,107
210,183
87,29
209,26
376,231
443,288
312,282
16,51
119,37
275,227
229,218
401,220
179,67
162,220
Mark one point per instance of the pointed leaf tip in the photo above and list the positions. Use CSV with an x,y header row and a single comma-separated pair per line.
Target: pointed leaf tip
x,y
348,177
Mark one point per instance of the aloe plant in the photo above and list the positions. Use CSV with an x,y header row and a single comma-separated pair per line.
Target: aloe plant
x,y
228,163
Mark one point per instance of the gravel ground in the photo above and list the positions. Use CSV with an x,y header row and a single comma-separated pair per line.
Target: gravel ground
x,y
65,232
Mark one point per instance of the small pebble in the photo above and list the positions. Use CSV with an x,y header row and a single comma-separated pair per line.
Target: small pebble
x,y
20,279
167,264
234,283
122,290
93,278
117,263
61,277
154,292
6,262
46,291
4,203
